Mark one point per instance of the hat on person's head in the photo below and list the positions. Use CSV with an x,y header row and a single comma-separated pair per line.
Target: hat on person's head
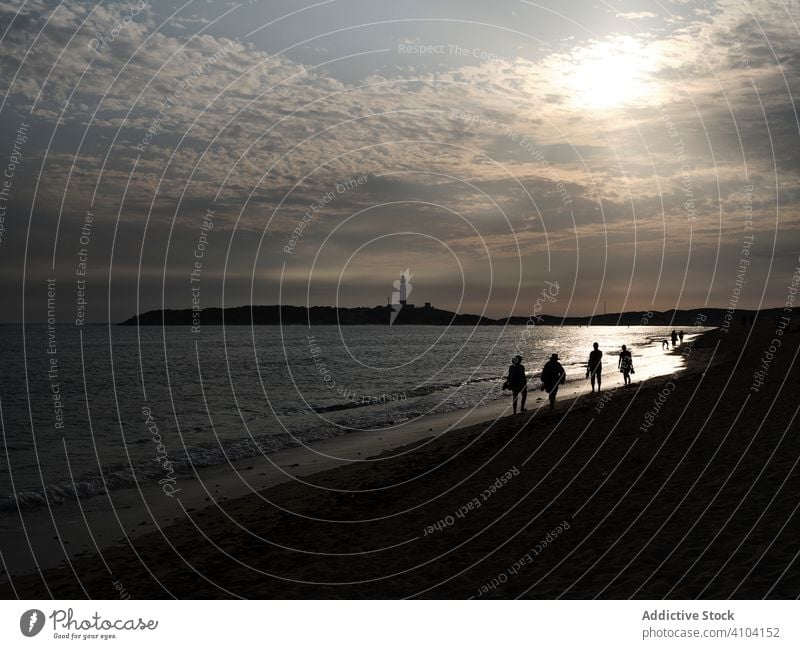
x,y
554,357
517,359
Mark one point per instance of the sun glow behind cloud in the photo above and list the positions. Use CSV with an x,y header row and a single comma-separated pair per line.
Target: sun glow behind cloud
x,y
609,74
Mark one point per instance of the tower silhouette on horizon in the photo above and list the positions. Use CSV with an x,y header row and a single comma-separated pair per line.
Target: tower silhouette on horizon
x,y
403,294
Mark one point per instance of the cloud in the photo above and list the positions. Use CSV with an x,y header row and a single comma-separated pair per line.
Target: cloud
x,y
180,117
636,15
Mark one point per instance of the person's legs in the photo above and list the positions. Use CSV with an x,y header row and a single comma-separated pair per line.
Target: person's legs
x,y
552,397
524,397
591,377
514,394
599,378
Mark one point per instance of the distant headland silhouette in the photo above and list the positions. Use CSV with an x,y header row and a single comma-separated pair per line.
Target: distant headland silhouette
x,y
429,315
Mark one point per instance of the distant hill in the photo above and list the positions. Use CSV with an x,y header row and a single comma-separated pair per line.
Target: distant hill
x,y
275,314
380,315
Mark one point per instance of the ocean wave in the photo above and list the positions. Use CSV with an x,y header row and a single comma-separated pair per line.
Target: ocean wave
x,y
183,464
395,398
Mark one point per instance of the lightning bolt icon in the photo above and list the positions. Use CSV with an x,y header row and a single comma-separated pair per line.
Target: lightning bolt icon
x,y
32,621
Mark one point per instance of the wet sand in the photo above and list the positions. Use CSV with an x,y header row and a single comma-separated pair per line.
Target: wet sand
x,y
680,486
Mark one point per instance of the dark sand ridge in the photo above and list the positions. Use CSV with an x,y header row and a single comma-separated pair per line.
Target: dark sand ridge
x,y
702,504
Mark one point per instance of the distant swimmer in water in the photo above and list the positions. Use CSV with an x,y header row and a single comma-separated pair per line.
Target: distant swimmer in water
x,y
625,364
594,367
552,376
674,336
517,382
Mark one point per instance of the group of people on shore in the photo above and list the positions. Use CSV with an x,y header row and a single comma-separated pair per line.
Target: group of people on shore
x,y
553,375
675,336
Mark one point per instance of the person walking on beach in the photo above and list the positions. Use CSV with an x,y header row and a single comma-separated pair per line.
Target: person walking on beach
x,y
665,344
625,364
680,335
674,336
594,368
517,382
552,376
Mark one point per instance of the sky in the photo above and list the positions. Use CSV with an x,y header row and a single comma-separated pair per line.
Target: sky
x,y
639,155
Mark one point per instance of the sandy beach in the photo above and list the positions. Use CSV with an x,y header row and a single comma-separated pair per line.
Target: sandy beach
x,y
677,487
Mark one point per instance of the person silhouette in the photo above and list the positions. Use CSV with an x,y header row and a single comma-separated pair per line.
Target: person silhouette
x,y
665,344
518,382
594,367
625,365
674,336
680,335
552,376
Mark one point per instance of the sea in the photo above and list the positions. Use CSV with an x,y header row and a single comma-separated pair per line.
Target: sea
x,y
85,410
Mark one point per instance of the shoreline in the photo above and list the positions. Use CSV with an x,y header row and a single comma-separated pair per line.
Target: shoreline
x,y
642,507
129,513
